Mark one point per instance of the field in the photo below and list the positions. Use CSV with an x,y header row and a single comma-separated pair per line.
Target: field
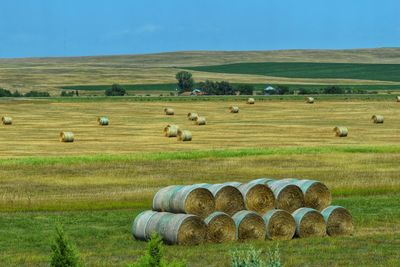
x,y
96,185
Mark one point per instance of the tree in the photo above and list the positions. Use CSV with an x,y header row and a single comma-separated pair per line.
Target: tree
x,y
76,92
282,90
115,90
185,81
225,88
333,90
245,89
5,93
36,94
64,252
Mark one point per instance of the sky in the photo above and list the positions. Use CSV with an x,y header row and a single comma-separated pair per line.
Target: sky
x,y
43,28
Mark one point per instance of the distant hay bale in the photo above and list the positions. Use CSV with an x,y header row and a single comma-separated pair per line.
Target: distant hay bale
x,y
200,121
377,119
249,226
288,196
221,227
341,131
251,101
338,221
398,98
280,225
171,130
6,120
309,223
169,111
103,121
67,137
184,135
234,109
192,116
310,100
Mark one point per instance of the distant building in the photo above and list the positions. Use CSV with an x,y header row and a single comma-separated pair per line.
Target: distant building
x,y
194,92
269,90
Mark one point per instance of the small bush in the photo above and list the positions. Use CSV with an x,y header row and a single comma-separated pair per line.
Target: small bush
x,y
64,252
37,94
5,93
252,258
67,94
115,90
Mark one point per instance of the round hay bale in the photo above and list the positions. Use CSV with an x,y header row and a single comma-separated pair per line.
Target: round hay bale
x,y
6,120
162,199
67,137
169,111
341,131
221,227
171,130
140,223
234,109
184,135
249,226
192,116
398,98
103,121
251,101
288,196
257,197
200,121
377,119
310,100
338,221
280,225
309,222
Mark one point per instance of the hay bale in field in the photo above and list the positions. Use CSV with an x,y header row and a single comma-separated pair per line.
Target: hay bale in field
x,y
398,98
309,222
6,120
200,121
171,130
377,119
67,137
288,196
280,225
192,116
103,121
251,101
169,111
341,131
140,223
221,227
338,221
316,194
249,226
185,199
234,109
310,100
184,135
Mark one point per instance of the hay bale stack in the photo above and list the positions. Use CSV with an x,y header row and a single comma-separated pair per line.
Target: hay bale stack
x,y
310,100
192,116
103,121
185,199
184,135
169,111
341,131
338,221
140,223
316,194
377,119
251,101
6,120
221,227
249,226
234,109
200,121
171,130
280,225
309,223
67,137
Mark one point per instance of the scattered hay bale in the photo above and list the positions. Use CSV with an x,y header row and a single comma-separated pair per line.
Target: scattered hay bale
x,y
184,135
67,137
200,121
234,109
341,131
140,223
288,196
103,121
377,119
6,120
310,100
221,227
171,130
192,116
338,221
249,226
280,225
398,98
169,111
251,101
309,223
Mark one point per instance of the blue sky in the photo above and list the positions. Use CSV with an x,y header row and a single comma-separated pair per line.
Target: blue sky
x,y
33,28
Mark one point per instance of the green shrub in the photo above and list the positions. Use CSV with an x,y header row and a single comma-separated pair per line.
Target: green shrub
x,y
5,93
252,258
64,252
37,94
115,90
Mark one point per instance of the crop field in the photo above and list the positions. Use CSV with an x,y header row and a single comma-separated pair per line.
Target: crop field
x,y
98,184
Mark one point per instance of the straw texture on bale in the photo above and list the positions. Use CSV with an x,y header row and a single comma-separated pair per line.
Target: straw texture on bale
x,y
250,101
288,196
6,120
169,111
249,226
184,135
309,223
171,130
257,197
67,137
192,116
221,227
103,121
200,121
280,225
185,199
234,109
310,100
377,118
338,221
341,131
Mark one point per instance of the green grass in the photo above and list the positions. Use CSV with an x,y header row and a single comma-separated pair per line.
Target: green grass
x,y
380,72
